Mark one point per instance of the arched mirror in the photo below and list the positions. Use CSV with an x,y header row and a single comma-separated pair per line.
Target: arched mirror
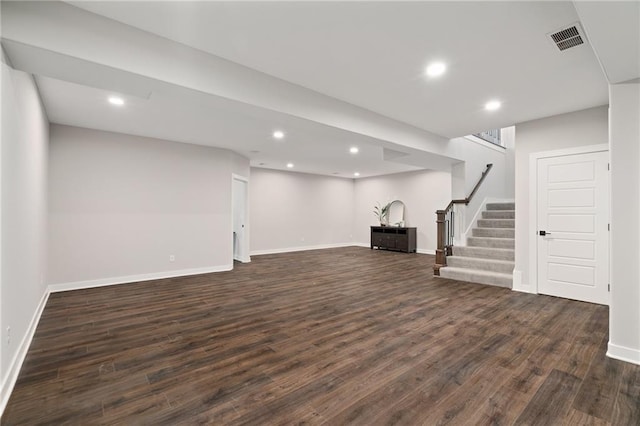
x,y
396,213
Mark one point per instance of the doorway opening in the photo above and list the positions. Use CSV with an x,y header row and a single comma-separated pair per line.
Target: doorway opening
x,y
240,218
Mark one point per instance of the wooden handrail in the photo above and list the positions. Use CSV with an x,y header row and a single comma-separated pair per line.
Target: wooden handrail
x,y
460,201
441,250
475,188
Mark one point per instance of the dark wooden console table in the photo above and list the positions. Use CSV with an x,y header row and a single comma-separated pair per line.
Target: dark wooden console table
x,y
394,238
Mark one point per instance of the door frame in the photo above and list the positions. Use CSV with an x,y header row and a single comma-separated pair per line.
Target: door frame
x,y
533,202
244,255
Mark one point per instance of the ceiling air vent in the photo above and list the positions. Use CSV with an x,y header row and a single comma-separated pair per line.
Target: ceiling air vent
x,y
568,37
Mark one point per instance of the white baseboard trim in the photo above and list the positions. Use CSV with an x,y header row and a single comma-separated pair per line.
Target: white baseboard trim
x,y
523,290
303,248
623,353
77,285
426,251
419,251
326,246
9,381
518,285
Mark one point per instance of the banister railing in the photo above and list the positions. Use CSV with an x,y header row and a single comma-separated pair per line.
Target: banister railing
x,y
493,136
445,220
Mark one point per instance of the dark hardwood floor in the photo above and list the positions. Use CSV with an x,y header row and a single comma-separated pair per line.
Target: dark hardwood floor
x,y
344,336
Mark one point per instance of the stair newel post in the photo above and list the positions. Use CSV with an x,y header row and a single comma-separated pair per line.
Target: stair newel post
x,y
441,258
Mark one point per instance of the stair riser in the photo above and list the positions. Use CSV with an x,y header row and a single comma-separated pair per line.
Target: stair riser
x,y
498,214
501,206
484,253
471,277
493,232
490,242
471,263
496,223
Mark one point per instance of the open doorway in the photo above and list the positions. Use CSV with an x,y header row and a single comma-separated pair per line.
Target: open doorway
x,y
240,218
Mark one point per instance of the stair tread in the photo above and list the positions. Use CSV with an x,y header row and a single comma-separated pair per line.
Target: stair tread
x,y
487,248
476,271
494,238
483,259
474,252
507,233
477,276
508,205
488,227
496,223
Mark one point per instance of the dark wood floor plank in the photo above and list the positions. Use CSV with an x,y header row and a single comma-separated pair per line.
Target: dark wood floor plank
x,y
502,407
626,410
585,344
600,386
337,336
575,417
551,403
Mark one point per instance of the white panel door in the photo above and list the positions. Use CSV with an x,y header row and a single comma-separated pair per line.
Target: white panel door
x,y
573,221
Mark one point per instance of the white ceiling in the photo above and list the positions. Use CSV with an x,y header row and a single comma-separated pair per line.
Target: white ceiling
x,y
175,114
373,54
336,64
614,31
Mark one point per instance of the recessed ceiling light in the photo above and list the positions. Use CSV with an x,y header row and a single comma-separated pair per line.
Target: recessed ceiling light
x,y
356,174
114,100
290,165
278,134
492,105
354,150
436,69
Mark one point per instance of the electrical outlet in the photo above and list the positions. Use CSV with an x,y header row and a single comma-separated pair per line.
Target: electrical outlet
x,y
172,258
8,335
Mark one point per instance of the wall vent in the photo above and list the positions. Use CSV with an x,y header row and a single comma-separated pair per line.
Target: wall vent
x,y
568,37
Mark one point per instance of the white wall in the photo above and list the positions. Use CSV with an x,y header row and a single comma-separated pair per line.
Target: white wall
x,y
291,211
509,140
580,128
624,320
423,192
240,165
25,134
120,205
498,185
